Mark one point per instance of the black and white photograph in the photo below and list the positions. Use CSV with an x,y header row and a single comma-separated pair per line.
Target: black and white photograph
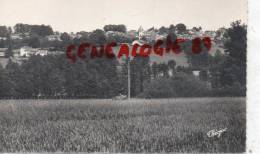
x,y
123,76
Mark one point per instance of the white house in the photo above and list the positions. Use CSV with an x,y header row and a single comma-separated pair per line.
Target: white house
x,y
150,35
2,52
29,51
41,52
196,73
53,38
16,37
25,51
3,38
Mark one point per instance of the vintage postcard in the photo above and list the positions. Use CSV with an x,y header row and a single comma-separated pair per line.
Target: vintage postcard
x,y
123,76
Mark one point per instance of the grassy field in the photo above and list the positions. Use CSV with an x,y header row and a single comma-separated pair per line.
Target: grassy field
x,y
158,125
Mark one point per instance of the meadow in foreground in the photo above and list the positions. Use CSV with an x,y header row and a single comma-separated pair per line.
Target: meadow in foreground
x,y
156,125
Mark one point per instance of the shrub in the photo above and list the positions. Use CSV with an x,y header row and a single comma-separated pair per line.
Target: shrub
x,y
181,85
235,90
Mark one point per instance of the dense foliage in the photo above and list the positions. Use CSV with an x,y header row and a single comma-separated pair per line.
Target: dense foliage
x,y
53,76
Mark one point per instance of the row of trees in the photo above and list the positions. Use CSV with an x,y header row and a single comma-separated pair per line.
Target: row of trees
x,y
5,31
41,30
37,39
54,76
117,28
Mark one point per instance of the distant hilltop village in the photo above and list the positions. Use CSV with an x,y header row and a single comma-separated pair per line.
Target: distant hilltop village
x,y
23,40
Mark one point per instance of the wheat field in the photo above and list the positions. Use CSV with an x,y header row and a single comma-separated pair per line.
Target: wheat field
x,y
154,125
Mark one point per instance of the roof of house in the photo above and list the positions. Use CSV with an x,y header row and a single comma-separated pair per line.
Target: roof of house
x,y
3,49
139,42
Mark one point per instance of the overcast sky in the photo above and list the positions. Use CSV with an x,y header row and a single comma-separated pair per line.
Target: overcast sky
x,y
87,15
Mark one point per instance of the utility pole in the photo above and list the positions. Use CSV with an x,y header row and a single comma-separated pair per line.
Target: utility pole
x,y
129,78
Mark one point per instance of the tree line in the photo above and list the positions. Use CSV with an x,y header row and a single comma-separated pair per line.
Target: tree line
x,y
54,76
